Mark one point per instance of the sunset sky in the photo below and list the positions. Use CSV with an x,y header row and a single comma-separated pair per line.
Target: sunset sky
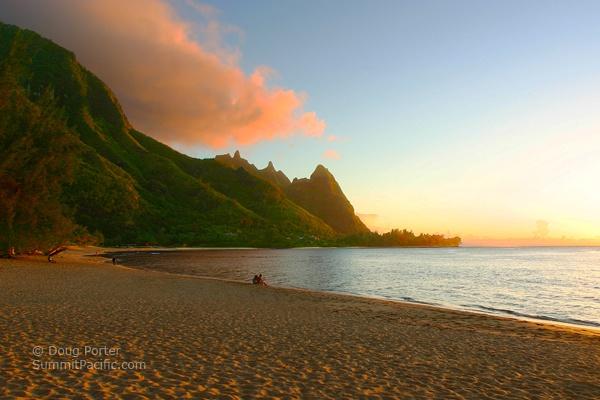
x,y
480,119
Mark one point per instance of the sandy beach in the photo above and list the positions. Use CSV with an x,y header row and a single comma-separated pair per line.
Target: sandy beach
x,y
152,334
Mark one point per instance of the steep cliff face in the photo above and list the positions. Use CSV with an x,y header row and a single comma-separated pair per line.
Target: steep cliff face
x,y
275,176
322,196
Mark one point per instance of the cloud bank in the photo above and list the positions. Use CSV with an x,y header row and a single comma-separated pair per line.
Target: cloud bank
x,y
177,81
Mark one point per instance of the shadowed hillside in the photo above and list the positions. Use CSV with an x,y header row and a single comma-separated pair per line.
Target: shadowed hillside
x,y
323,197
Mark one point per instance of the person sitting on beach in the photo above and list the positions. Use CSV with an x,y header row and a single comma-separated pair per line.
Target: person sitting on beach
x,y
261,280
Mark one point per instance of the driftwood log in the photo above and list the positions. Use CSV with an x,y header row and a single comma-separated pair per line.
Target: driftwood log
x,y
56,250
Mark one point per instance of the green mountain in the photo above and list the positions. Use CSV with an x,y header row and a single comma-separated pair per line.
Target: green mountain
x,y
72,168
118,184
322,196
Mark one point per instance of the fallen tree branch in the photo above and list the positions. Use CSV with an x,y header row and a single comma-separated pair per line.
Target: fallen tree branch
x,y
56,250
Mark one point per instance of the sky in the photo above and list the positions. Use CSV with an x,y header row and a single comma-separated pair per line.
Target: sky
x,y
469,118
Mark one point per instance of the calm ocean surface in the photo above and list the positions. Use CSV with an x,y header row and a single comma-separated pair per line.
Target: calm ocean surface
x,y
560,284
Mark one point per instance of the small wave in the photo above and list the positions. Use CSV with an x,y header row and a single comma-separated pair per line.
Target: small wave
x,y
411,300
573,321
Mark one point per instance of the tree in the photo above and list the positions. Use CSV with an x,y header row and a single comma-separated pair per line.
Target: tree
x,y
36,160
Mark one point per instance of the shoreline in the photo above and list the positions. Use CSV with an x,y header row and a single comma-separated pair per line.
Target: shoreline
x,y
81,255
507,314
462,246
204,337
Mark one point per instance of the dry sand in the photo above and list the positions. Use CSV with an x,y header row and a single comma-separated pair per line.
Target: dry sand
x,y
206,338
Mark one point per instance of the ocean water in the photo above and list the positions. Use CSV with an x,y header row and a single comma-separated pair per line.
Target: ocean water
x,y
550,283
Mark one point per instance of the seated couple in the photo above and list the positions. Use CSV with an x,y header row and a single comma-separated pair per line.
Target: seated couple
x,y
259,280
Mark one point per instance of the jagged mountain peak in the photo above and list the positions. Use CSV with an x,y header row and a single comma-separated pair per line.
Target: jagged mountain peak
x,y
321,171
322,196
269,173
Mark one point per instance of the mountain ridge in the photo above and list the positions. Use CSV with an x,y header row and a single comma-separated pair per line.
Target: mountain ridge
x,y
268,173
322,196
73,169
126,186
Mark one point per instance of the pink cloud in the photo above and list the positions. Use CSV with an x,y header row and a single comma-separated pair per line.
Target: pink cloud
x,y
332,138
171,85
332,155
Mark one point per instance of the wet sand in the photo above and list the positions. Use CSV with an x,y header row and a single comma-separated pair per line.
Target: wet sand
x,y
202,338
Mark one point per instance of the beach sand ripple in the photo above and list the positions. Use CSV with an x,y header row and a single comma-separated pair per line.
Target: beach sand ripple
x,y
206,338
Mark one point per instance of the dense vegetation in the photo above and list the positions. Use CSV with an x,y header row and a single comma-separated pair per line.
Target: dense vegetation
x,y
398,238
73,169
33,171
